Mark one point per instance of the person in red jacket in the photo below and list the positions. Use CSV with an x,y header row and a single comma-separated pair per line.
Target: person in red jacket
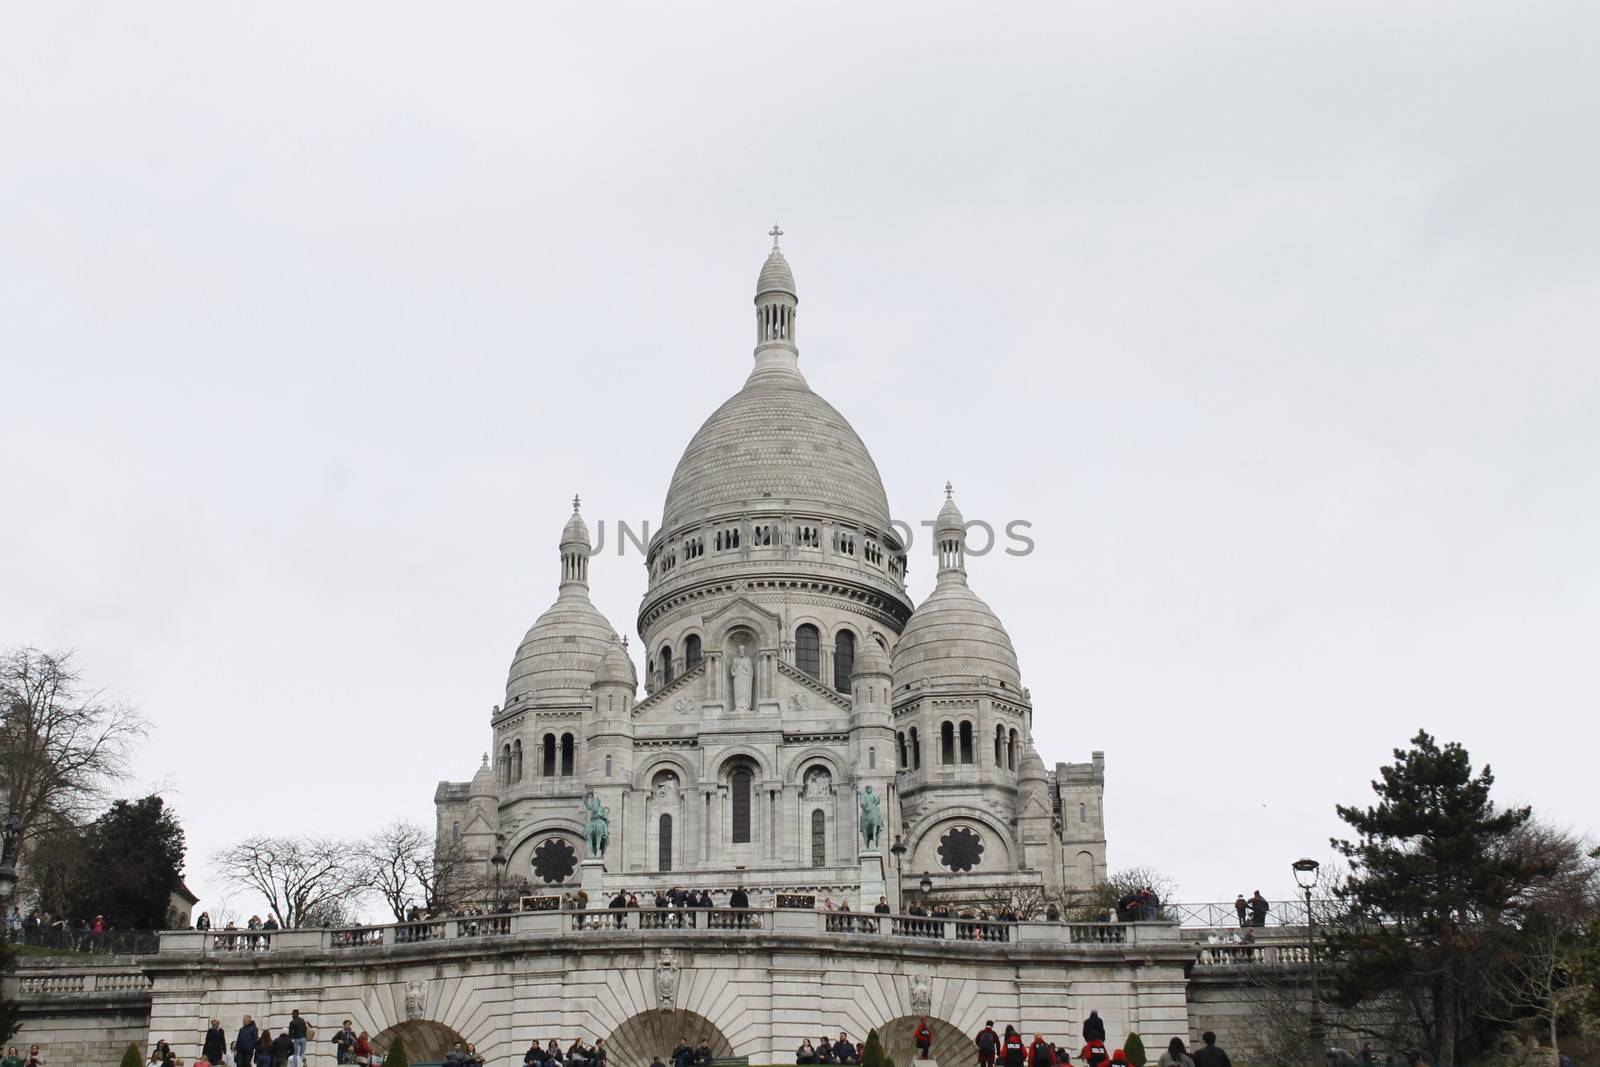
x,y
1040,1054
1094,1054
1013,1053
988,1043
923,1038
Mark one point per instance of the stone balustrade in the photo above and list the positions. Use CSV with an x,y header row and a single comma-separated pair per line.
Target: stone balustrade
x,y
85,984
1278,954
599,922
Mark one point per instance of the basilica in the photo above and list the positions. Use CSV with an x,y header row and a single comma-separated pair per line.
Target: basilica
x,y
786,672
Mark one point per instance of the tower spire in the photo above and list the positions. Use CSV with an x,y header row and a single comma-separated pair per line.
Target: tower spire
x,y
776,310
575,549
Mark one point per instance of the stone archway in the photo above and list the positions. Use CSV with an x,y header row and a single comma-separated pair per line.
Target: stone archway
x,y
426,1041
656,1032
951,1047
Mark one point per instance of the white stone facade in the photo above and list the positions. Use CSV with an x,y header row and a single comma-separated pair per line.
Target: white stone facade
x,y
785,672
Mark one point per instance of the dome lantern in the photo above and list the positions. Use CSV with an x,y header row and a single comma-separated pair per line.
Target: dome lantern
x,y
951,531
575,549
777,307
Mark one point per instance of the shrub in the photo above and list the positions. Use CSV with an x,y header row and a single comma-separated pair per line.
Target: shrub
x,y
873,1055
132,1058
1133,1048
397,1054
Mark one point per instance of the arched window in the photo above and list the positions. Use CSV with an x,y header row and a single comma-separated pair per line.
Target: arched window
x,y
608,766
966,742
947,743
691,652
819,839
916,750
905,762
739,786
999,746
844,659
516,761
1083,813
1011,753
666,664
548,765
808,650
872,758
503,765
664,844
455,833
567,753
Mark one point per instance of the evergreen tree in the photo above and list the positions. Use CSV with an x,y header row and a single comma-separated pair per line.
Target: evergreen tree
x,y
873,1055
133,856
396,1056
1432,877
131,1057
1133,1048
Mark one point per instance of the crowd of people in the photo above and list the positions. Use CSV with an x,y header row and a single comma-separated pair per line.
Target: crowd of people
x,y
578,1054
1011,1049
1139,905
55,931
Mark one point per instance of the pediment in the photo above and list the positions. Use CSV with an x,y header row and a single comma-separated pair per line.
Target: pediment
x,y
745,606
690,684
804,681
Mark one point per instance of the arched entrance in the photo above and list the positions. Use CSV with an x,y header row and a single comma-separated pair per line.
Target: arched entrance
x,y
656,1033
951,1047
426,1041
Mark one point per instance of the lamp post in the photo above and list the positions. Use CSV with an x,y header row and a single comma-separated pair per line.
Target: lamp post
x,y
898,851
499,860
1305,876
8,857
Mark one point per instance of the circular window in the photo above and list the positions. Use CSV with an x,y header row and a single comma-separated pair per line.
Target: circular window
x,y
961,849
554,860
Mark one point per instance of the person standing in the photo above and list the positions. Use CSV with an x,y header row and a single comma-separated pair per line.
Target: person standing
x,y
1040,1054
1258,909
923,1038
344,1043
215,1044
1094,1027
1209,1055
244,1043
1241,908
1012,1051
282,1048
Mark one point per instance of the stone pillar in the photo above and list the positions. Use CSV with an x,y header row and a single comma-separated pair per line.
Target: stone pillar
x,y
872,886
592,881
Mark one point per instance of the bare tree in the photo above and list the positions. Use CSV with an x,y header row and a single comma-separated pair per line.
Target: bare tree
x,y
304,880
394,861
1537,970
1102,900
61,745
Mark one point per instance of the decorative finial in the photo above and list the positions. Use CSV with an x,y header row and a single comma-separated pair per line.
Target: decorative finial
x,y
486,759
574,503
624,642
949,491
775,233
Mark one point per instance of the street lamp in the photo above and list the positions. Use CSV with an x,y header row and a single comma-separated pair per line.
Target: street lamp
x,y
898,851
8,857
1305,876
499,860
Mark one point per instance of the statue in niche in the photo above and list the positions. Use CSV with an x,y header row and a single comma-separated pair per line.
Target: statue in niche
x,y
416,1000
743,682
921,994
871,817
819,783
598,828
666,981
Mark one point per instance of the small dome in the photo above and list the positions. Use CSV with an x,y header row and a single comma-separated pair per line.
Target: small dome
x,y
953,636
615,668
483,783
776,277
561,652
1032,768
871,659
949,519
576,532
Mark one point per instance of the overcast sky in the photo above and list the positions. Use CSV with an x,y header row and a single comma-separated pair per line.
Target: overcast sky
x,y
1277,322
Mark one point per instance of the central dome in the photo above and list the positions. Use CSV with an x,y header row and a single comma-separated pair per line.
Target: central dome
x,y
776,445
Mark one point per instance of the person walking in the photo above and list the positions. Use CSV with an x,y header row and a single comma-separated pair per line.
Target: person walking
x,y
299,1033
282,1049
1094,1027
1209,1055
1040,1054
1176,1055
215,1043
1012,1051
988,1043
923,1038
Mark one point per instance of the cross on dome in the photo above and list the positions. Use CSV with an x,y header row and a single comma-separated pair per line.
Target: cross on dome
x,y
574,503
949,491
775,233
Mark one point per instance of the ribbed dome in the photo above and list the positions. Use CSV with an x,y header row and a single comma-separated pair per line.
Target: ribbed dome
x,y
1032,766
954,636
776,277
776,444
557,660
615,667
871,659
483,783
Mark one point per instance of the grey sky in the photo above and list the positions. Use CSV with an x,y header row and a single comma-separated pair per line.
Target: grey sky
x,y
1278,322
